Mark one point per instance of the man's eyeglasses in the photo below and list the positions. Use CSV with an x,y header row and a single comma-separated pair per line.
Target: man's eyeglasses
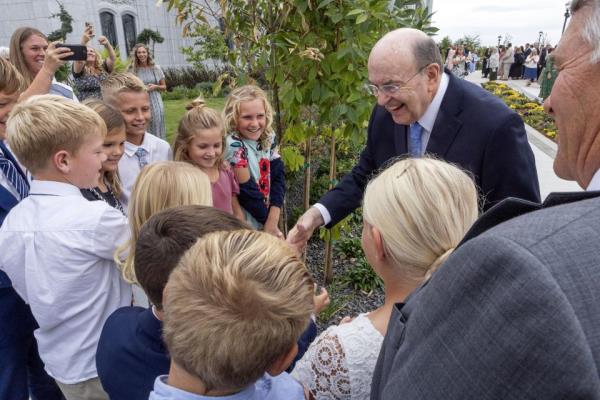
x,y
389,89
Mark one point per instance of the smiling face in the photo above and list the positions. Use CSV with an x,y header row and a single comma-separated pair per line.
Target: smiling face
x,y
86,163
91,56
574,104
252,119
113,148
135,109
34,51
7,102
205,147
142,55
408,104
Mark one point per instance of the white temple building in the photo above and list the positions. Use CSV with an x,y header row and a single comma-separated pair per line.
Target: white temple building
x,y
119,20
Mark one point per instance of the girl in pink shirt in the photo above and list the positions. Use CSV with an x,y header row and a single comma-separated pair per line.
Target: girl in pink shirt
x,y
200,140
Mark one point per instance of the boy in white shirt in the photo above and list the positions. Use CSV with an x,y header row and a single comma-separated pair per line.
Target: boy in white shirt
x,y
128,94
57,247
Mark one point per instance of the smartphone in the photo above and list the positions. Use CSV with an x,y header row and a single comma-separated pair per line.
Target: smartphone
x,y
79,52
90,27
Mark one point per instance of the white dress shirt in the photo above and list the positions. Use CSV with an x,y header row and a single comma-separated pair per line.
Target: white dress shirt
x,y
129,166
595,182
57,248
427,121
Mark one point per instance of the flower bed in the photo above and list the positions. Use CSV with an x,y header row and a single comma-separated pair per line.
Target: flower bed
x,y
532,112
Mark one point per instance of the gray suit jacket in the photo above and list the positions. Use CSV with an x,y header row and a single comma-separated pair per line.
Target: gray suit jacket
x,y
513,314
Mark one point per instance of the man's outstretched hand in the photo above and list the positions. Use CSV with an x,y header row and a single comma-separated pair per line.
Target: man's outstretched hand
x,y
304,228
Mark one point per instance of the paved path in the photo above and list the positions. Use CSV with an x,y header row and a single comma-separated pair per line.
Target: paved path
x,y
543,148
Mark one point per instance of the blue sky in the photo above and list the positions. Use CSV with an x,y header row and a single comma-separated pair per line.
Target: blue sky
x,y
523,19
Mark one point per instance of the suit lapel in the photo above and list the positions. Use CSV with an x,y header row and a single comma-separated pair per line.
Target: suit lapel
x,y
447,124
7,200
401,138
511,207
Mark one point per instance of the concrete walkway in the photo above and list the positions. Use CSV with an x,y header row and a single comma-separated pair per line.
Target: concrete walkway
x,y
543,148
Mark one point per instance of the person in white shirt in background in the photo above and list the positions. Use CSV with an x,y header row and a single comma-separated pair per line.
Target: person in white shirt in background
x,y
57,247
128,94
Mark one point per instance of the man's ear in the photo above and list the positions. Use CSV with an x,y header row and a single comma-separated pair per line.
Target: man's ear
x,y
378,243
62,161
283,362
433,72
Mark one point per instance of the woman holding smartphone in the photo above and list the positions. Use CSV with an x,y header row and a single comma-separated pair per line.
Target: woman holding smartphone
x,y
90,73
37,60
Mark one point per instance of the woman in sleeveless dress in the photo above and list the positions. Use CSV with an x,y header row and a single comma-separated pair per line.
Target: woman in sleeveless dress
x,y
153,77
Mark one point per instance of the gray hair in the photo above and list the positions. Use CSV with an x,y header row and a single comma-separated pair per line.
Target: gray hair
x,y
426,52
591,30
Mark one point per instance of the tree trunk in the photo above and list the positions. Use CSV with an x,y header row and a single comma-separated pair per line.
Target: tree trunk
x,y
329,243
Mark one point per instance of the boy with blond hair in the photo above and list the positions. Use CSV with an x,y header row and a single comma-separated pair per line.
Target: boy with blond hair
x,y
235,307
56,246
128,94
22,372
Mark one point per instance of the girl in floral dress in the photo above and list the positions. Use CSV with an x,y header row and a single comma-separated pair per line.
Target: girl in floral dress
x,y
251,151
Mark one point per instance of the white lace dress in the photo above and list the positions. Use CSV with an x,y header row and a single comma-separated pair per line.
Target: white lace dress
x,y
339,364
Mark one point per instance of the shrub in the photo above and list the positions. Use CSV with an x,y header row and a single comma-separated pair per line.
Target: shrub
x,y
181,92
362,277
349,247
190,76
532,112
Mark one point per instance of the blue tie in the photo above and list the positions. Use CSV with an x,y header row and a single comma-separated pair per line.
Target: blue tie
x,y
416,133
14,177
142,156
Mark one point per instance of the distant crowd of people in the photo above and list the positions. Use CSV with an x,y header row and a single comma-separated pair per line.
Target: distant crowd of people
x,y
530,62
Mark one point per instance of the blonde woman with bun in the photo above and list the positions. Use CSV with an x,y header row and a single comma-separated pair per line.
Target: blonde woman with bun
x,y
159,186
414,214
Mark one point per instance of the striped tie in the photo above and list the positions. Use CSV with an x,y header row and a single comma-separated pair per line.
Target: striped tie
x,y
14,177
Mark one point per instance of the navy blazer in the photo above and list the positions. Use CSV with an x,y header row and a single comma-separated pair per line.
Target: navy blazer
x,y
473,129
7,200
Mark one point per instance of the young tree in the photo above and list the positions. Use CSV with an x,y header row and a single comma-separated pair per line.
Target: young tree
x,y
149,38
66,24
312,55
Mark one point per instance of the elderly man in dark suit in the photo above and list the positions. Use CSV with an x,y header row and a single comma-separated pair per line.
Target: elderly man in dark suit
x,y
514,313
423,109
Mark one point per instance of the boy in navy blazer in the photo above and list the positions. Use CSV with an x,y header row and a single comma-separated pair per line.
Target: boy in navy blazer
x,y
22,373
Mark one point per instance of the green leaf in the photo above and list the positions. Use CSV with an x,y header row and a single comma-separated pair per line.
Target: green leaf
x,y
361,18
292,159
324,3
356,11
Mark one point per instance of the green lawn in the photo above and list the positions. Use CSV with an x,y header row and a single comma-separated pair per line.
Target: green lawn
x,y
174,110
